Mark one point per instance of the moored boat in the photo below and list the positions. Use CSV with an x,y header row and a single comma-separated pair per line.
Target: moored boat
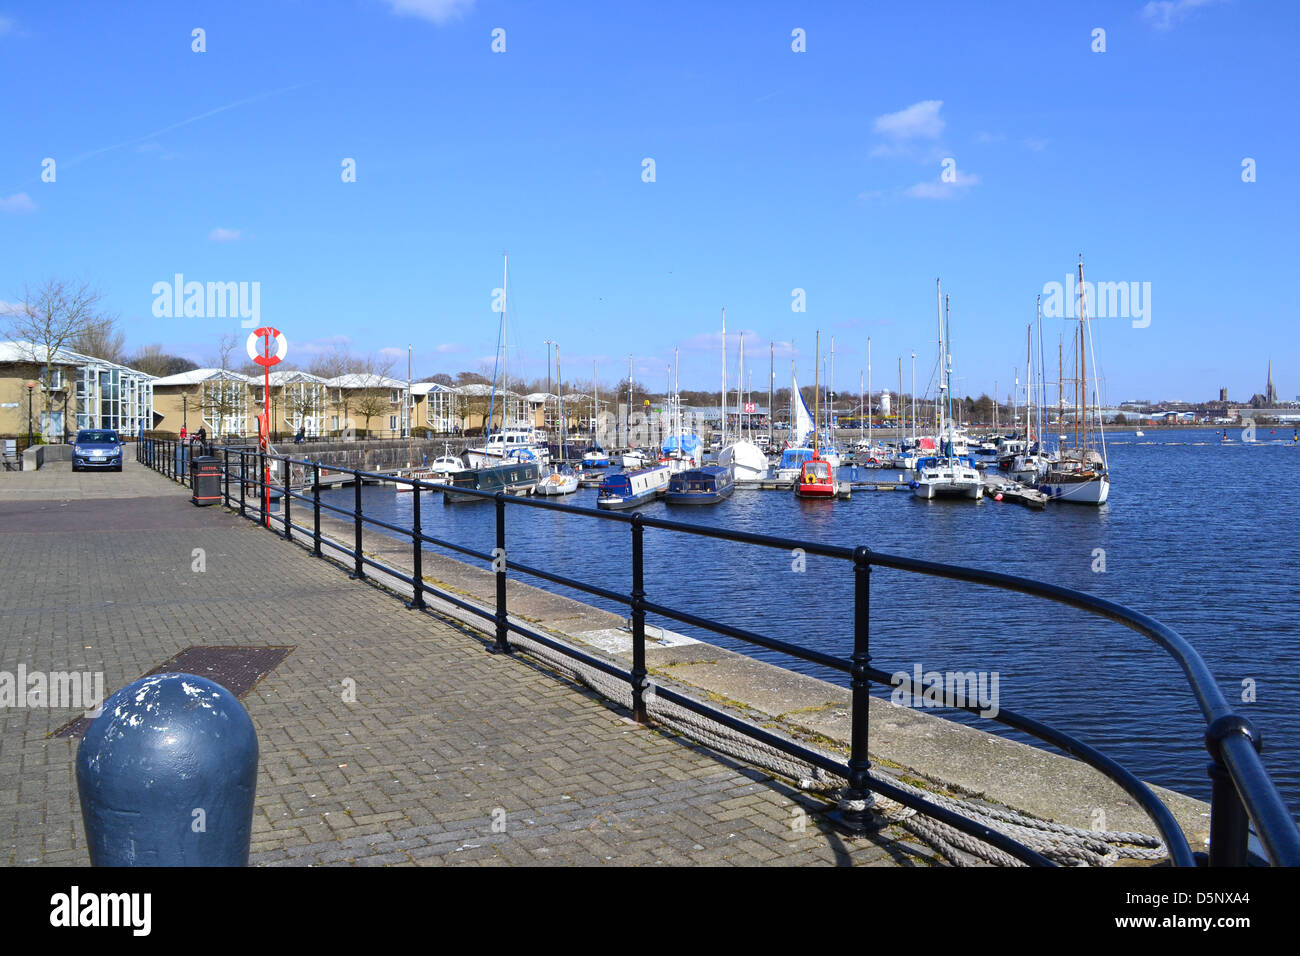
x,y
706,485
515,478
816,479
628,489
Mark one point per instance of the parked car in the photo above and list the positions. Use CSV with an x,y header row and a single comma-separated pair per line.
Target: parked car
x,y
97,448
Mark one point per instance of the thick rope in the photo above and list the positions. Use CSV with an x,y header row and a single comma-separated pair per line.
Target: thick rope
x,y
1063,844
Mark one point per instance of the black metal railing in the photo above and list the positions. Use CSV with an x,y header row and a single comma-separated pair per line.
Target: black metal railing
x,y
1242,793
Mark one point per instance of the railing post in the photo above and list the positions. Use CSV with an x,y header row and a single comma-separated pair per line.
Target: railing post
x,y
357,570
285,498
417,553
638,622
315,502
263,491
225,476
855,813
1229,825
499,566
243,483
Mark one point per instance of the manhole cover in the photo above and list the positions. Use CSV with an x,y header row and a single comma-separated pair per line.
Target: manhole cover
x,y
236,668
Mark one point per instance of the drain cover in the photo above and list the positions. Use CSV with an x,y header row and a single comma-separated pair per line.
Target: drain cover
x,y
237,668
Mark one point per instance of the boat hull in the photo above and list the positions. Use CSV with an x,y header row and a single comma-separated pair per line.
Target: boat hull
x,y
1089,491
514,479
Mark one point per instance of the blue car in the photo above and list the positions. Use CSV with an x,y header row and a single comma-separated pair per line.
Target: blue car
x,y
97,448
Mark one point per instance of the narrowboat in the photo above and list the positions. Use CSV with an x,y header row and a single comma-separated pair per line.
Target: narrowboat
x,y
515,478
631,488
700,486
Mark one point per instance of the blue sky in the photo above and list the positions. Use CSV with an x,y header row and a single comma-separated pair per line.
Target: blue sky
x,y
775,170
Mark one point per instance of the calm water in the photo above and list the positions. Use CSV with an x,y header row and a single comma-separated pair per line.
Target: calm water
x,y
1198,534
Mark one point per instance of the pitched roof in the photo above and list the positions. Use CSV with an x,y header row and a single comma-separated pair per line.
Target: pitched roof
x,y
197,375
16,351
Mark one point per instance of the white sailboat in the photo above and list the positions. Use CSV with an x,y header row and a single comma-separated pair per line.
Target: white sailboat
x,y
946,475
745,459
1082,474
561,479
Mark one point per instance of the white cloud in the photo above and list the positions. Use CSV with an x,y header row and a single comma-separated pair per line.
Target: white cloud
x,y
1036,144
1163,14
983,136
938,189
17,203
449,348
435,11
225,235
918,121
6,26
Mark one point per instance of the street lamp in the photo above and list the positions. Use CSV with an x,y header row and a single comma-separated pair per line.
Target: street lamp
x,y
31,388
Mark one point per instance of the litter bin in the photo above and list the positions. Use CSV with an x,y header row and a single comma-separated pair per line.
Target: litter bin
x,y
205,479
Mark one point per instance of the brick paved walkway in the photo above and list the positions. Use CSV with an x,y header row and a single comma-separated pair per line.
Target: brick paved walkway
x,y
444,739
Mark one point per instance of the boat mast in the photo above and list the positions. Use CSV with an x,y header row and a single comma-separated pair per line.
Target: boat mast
x,y
1082,389
867,410
771,385
559,384
938,304
912,399
410,432
947,346
817,403
724,379
740,378
627,430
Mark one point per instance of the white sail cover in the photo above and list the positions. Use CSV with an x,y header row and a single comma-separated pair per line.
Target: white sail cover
x,y
803,424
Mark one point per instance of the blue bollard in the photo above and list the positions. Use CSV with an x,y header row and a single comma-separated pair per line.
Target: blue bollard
x,y
167,775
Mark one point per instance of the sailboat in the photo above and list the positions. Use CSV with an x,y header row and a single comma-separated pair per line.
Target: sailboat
x,y
746,461
516,475
561,479
946,475
816,475
1082,474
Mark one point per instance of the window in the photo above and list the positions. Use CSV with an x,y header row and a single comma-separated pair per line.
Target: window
x,y
392,423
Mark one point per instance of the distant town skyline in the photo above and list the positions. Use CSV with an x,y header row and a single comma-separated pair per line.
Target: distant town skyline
x,y
354,172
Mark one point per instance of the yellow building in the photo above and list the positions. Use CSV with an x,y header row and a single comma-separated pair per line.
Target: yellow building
x,y
81,392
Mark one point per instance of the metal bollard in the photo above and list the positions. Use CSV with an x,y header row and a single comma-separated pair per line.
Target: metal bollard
x,y
167,775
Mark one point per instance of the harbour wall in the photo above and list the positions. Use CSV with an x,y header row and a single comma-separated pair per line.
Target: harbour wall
x,y
943,755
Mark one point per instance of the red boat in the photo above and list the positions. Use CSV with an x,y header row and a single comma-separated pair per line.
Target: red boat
x,y
816,479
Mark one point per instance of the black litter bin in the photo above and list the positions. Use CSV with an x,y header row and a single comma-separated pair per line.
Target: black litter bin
x,y
205,479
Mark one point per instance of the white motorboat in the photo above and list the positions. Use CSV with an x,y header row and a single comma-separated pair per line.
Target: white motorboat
x,y
558,482
636,458
507,445
438,473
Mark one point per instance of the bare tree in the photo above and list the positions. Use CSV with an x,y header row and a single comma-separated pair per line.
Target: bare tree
x,y
104,341
53,317
152,360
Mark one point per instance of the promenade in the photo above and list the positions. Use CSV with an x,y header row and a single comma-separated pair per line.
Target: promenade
x,y
449,754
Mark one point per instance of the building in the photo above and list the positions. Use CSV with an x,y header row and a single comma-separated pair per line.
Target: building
x,y
435,407
81,392
369,404
221,401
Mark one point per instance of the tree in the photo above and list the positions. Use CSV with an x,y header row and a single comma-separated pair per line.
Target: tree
x,y
152,360
53,317
105,341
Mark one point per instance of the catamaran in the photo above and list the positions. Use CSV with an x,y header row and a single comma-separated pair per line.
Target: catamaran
x,y
946,475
